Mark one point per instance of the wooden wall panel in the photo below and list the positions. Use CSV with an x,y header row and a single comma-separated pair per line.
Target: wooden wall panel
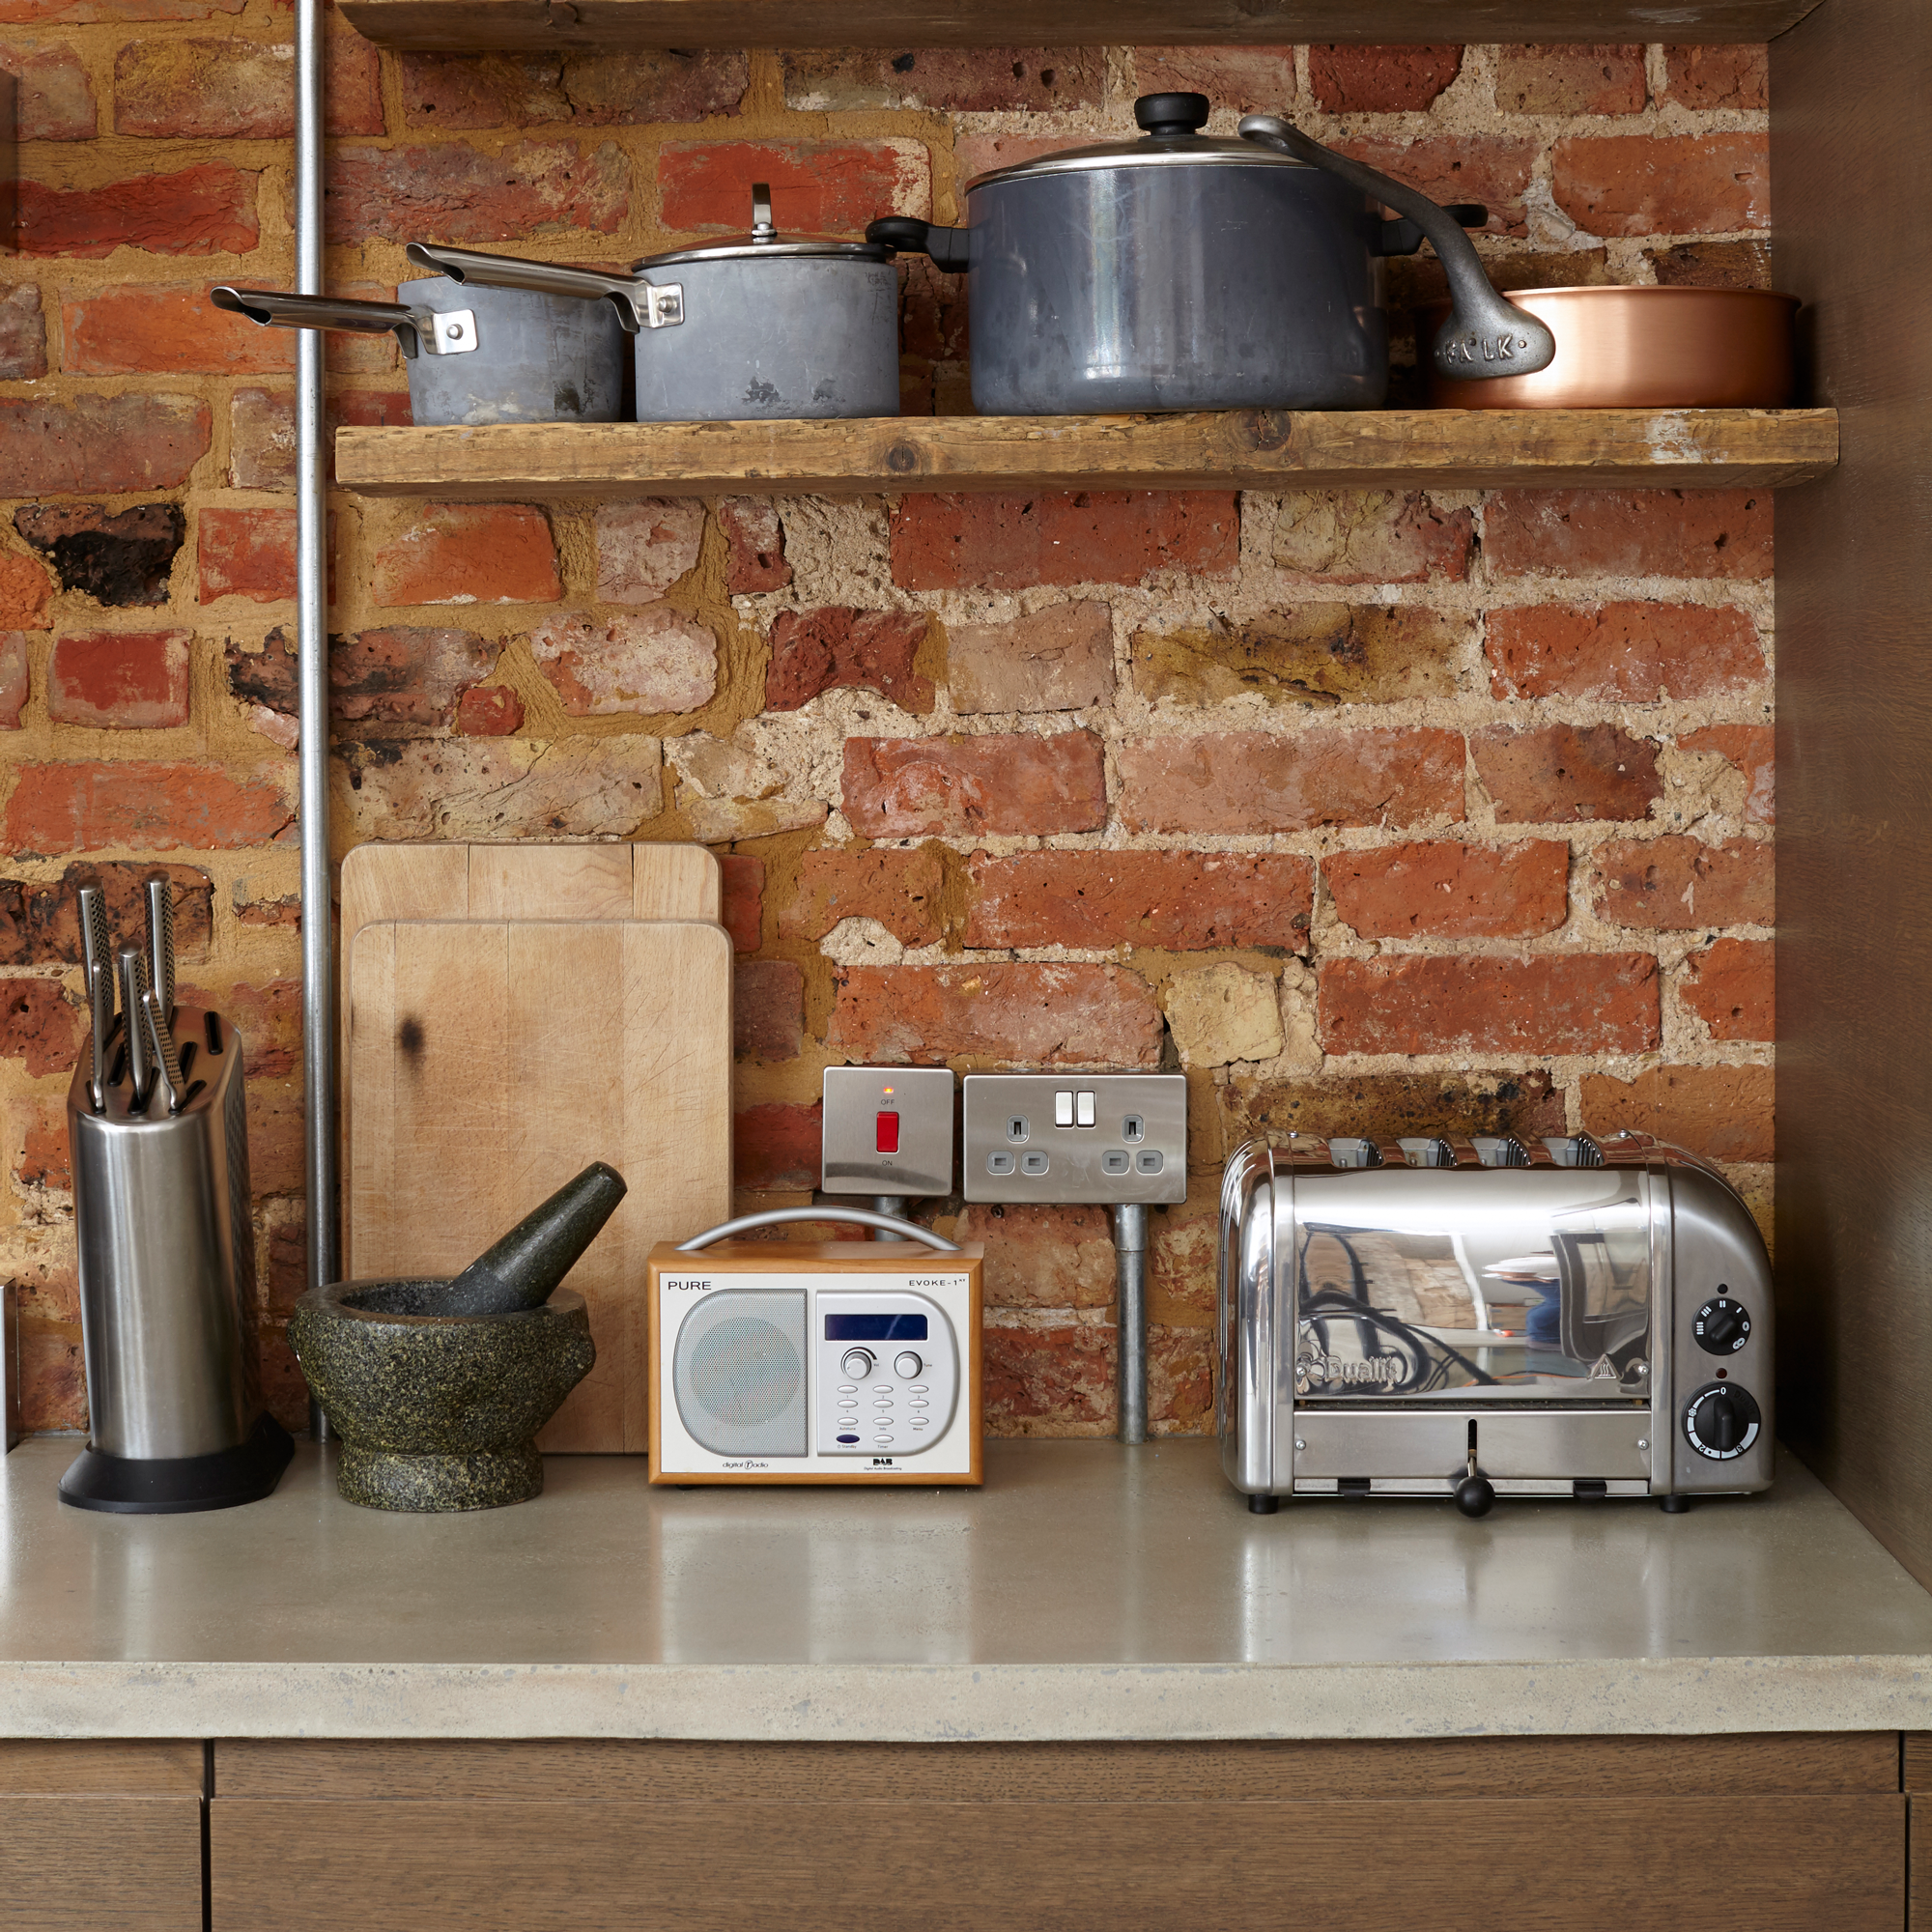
x,y
1850,147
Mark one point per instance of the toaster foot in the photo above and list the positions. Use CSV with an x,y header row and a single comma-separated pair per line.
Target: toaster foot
x,y
1263,1505
1673,1505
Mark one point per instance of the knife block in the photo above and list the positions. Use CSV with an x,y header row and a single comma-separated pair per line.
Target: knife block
x,y
167,1288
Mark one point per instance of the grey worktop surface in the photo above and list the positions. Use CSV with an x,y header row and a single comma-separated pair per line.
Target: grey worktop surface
x,y
1087,1591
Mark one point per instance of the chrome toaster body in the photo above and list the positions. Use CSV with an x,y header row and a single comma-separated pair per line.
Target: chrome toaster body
x,y
1562,1316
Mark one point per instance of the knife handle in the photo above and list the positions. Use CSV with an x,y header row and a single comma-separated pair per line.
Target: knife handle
x,y
162,1041
133,970
161,899
97,969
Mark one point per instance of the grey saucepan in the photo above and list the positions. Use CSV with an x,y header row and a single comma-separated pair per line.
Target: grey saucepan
x,y
1183,273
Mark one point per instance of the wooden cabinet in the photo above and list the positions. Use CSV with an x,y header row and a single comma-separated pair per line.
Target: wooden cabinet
x,y
100,1836
1759,1833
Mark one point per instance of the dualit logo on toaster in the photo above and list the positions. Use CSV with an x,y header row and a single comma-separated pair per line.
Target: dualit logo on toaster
x,y
1382,1369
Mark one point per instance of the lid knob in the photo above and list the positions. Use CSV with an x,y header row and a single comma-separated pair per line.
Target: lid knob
x,y
1171,117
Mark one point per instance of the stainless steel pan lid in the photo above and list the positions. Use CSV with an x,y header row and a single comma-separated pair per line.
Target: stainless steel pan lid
x,y
1171,140
764,241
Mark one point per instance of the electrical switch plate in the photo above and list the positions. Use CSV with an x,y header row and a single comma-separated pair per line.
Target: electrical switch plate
x,y
1024,1138
887,1131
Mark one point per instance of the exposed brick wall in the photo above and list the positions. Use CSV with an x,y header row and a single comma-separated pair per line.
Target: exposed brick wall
x,y
1377,811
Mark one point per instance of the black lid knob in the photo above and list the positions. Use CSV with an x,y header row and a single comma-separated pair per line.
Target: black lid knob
x,y
1171,117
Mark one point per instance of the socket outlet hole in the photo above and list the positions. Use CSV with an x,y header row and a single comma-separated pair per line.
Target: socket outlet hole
x,y
1016,1127
1133,1128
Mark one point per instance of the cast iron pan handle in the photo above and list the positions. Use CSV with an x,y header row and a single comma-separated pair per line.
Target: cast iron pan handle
x,y
1485,335
906,236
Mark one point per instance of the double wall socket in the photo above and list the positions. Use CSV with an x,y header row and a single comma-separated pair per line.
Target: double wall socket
x,y
887,1131
1108,1138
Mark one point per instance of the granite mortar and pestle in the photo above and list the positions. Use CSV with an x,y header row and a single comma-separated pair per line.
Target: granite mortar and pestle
x,y
437,1387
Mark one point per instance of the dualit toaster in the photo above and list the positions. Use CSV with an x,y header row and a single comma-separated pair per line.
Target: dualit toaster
x,y
1469,1319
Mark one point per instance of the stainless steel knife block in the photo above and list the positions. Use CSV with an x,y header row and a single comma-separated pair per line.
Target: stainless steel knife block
x,y
167,1284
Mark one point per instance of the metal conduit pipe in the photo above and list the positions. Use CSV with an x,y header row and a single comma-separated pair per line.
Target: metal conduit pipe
x,y
312,684
1130,1238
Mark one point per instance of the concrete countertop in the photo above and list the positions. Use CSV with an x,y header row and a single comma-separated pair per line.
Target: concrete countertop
x,y
1089,1591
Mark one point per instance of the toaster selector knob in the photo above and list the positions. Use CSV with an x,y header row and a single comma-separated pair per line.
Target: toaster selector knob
x,y
1722,1327
856,1364
908,1366
1722,1422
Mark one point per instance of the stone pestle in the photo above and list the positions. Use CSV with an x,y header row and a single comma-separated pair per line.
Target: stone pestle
x,y
520,1270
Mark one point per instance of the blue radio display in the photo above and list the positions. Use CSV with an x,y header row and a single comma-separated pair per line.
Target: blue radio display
x,y
875,1327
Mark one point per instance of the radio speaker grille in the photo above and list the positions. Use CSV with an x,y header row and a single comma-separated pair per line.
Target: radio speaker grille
x,y
738,1372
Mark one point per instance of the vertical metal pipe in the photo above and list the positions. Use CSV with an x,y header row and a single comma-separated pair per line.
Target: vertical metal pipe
x,y
894,1204
1131,1231
312,680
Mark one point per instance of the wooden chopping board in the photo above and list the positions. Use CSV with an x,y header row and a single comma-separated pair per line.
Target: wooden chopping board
x,y
491,1059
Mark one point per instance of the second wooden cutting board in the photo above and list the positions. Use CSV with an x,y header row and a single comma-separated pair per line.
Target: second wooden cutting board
x,y
491,1059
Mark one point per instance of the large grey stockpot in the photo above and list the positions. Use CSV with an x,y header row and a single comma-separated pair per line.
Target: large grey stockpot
x,y
1183,273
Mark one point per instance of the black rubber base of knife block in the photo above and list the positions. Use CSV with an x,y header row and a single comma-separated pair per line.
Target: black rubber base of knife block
x,y
174,1486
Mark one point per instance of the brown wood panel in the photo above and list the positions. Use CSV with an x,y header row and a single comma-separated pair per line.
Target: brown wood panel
x,y
100,1865
1916,1761
1752,1863
1851,144
1919,1867
458,24
1699,450
130,1769
1216,1772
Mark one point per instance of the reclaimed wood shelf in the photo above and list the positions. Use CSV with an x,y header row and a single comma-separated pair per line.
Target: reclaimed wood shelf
x,y
459,25
1240,449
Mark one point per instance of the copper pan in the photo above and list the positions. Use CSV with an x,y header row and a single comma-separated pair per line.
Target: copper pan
x,y
1650,348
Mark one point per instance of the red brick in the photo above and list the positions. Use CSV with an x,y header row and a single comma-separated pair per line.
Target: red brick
x,y
121,680
1493,169
1380,80
1371,536
1713,264
754,555
135,328
1754,749
1575,79
107,443
37,1026
1021,1015
284,912
44,1157
487,791
1718,76
774,1147
768,1009
122,558
405,682
262,428
1632,652
1628,533
1385,1106
1724,1113
276,1137
1731,988
587,88
958,80
1002,783
287,1265
1181,1380
1259,782
1679,884
1055,1381
1059,659
13,679
1176,901
903,891
1085,536
53,1389
1552,1003
40,920
1441,890
23,334
82,806
490,711
25,590
454,192
469,553
239,90
818,188
1246,80
248,554
644,547
743,914
209,209
639,663
1555,773
268,1018
976,154
835,646
1044,1257
55,102
1648,184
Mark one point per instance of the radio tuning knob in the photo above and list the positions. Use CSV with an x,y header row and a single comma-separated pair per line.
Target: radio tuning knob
x,y
907,1365
856,1363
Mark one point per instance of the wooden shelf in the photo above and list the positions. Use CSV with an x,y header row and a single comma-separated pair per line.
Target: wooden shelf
x,y
1694,449
458,25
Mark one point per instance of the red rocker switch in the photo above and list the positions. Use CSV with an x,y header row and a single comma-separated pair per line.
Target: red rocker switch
x,y
887,1138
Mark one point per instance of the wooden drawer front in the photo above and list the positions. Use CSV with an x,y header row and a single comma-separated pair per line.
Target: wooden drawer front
x,y
1756,1864
100,1865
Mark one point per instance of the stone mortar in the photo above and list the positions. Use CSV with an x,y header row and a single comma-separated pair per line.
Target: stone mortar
x,y
437,1411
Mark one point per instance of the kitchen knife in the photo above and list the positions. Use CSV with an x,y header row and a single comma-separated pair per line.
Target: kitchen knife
x,y
132,974
161,1042
96,967
160,901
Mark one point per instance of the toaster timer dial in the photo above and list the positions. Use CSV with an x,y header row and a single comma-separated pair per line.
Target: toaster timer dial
x,y
1722,1421
1722,1327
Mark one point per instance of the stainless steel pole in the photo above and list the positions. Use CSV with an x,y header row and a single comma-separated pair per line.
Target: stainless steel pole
x,y
1130,1235
312,678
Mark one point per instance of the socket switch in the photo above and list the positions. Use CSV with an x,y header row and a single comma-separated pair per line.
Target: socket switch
x,y
887,1131
1076,1137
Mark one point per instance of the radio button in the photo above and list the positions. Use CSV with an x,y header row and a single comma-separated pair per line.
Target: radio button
x,y
856,1362
919,1388
907,1365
